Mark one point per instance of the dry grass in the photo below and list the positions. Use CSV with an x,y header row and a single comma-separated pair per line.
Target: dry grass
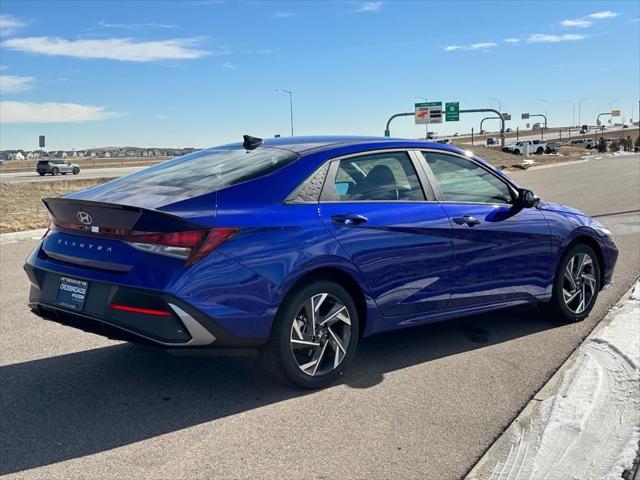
x,y
21,207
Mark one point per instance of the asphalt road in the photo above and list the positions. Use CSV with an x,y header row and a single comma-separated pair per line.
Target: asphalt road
x,y
113,172
423,403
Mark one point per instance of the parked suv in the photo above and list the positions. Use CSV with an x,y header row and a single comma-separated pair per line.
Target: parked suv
x,y
582,142
54,167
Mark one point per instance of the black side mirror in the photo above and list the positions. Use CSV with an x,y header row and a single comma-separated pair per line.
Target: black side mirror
x,y
527,199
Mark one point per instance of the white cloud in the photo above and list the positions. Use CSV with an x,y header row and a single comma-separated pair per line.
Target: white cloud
x,y
548,38
9,24
578,23
605,14
369,7
29,112
228,66
14,83
284,14
123,49
474,46
135,26
512,41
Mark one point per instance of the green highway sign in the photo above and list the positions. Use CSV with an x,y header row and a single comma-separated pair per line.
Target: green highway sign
x,y
452,111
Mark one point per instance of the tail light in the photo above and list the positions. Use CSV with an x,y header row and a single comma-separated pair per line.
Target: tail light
x,y
190,245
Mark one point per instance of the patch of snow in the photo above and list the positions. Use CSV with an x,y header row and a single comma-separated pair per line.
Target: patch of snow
x,y
590,427
528,161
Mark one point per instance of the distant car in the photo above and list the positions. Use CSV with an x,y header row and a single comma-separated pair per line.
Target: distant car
x,y
552,148
455,134
536,146
1,162
55,167
582,142
492,141
444,141
431,135
508,130
625,126
584,129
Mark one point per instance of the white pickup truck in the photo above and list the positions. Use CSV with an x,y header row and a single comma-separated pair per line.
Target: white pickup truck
x,y
535,146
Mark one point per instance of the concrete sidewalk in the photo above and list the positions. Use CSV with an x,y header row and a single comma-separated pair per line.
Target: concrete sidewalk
x,y
585,422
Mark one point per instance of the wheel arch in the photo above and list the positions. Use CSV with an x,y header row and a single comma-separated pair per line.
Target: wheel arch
x,y
595,246
344,279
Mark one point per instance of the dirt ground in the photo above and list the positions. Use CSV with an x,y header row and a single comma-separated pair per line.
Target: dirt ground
x,y
21,207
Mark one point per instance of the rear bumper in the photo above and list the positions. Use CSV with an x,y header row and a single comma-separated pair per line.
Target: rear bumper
x,y
183,327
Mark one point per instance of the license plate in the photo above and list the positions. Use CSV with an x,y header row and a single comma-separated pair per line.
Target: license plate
x,y
72,293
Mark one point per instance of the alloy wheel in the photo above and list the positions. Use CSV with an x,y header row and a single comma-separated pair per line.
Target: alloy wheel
x,y
320,334
579,283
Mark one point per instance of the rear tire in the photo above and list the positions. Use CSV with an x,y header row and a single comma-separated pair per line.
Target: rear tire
x,y
76,170
576,285
539,151
332,338
516,152
41,174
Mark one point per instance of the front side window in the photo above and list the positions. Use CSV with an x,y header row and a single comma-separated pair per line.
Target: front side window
x,y
378,177
461,180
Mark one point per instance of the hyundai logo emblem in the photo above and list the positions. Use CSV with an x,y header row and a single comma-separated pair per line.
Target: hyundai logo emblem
x,y
84,217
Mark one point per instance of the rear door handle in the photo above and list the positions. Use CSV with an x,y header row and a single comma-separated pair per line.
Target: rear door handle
x,y
349,219
467,220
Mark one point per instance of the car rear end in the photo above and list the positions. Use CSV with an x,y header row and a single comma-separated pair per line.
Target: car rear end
x,y
43,167
136,259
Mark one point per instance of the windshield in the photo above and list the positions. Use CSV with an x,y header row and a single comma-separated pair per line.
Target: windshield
x,y
215,168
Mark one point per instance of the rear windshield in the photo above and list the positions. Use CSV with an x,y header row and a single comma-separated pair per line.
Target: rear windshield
x,y
216,168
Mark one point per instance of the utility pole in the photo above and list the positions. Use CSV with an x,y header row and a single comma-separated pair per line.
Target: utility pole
x,y
290,105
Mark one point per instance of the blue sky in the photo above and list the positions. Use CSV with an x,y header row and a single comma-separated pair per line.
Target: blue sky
x,y
201,73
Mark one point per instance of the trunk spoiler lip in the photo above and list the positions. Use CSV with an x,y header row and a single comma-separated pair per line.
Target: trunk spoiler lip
x,y
115,206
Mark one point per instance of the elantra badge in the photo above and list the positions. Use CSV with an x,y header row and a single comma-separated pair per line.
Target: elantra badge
x,y
84,218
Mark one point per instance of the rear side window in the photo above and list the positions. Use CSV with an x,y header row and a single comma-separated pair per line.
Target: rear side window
x,y
385,176
215,169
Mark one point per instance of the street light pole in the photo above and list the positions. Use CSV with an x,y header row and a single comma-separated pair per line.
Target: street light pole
x,y
546,107
499,103
610,110
573,112
290,105
580,109
426,125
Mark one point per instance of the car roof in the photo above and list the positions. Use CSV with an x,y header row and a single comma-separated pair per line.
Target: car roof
x,y
308,144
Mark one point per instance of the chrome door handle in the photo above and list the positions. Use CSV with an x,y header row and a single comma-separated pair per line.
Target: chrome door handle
x,y
467,220
349,219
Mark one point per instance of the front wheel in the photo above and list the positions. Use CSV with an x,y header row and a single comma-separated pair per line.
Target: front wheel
x,y
540,151
55,171
576,285
76,170
314,336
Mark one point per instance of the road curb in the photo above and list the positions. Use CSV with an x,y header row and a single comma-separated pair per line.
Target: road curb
x,y
559,164
23,235
558,431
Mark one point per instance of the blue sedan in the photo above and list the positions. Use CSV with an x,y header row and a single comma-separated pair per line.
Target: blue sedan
x,y
296,248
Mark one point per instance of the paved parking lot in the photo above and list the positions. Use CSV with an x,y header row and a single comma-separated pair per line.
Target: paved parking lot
x,y
422,403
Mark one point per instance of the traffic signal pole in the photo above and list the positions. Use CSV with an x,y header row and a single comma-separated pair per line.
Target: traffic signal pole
x,y
387,130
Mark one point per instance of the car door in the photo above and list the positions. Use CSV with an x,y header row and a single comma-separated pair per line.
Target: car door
x,y
501,252
387,221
